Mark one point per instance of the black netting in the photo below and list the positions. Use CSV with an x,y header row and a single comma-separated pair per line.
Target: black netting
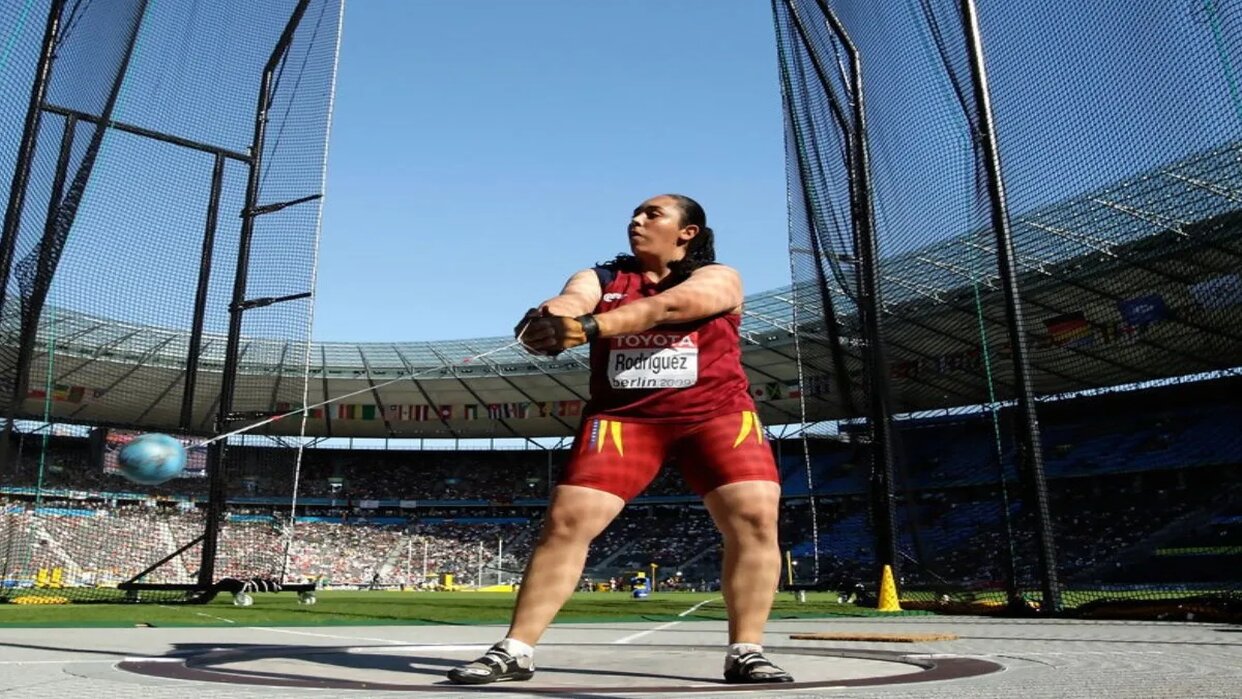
x,y
124,250
1118,131
823,257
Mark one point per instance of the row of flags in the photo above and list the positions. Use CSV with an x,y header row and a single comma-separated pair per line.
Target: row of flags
x,y
1067,330
1075,330
427,413
1140,313
521,410
63,393
524,410
1137,315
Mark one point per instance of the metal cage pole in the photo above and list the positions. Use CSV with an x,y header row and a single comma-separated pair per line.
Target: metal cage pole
x,y
26,149
217,478
200,295
869,307
17,193
1031,456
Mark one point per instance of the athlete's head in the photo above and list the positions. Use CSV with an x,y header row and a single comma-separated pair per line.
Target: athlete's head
x,y
672,228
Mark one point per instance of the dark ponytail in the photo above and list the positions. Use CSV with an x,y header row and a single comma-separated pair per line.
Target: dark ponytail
x,y
701,250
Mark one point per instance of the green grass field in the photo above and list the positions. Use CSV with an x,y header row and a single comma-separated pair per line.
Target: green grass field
x,y
391,607
359,608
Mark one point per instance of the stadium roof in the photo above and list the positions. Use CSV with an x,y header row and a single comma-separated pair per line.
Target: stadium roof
x,y
130,374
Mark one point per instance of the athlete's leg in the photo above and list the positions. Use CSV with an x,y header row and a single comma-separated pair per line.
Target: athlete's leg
x,y
746,513
612,463
574,518
729,462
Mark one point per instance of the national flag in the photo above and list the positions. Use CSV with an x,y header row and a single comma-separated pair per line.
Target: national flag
x,y
593,438
420,413
470,412
1145,310
568,408
793,389
1070,330
368,412
494,411
446,412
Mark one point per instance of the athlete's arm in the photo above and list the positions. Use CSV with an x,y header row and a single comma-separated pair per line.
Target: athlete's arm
x,y
580,295
708,291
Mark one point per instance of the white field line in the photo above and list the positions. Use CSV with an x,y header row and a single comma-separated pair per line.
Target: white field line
x,y
667,625
329,635
209,616
92,661
695,608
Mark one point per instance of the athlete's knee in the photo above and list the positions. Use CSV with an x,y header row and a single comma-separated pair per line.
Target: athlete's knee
x,y
746,512
578,517
751,524
747,519
565,526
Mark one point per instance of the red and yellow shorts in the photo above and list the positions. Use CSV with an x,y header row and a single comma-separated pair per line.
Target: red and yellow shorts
x,y
623,458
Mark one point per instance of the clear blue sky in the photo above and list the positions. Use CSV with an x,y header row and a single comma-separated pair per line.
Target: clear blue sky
x,y
483,151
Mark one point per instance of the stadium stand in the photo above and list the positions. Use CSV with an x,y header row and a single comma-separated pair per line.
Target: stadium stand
x,y
1139,495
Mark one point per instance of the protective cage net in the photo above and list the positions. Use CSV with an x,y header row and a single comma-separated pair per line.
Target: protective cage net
x,y
124,239
1118,128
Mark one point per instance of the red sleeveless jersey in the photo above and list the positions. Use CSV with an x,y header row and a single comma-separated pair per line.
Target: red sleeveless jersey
x,y
670,373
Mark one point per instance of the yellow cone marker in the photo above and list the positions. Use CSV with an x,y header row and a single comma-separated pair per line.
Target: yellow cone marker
x,y
888,592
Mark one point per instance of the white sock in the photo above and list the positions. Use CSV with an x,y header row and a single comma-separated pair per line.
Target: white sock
x,y
739,649
517,648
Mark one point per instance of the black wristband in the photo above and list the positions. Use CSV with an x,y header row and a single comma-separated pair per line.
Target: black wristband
x,y
589,326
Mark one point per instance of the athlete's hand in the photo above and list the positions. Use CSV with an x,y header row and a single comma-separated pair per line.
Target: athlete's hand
x,y
549,334
526,319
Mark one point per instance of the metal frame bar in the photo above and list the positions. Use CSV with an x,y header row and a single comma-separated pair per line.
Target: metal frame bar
x,y
194,350
217,478
146,133
828,311
26,150
870,305
1029,432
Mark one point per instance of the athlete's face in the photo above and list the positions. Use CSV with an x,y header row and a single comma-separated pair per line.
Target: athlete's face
x,y
656,232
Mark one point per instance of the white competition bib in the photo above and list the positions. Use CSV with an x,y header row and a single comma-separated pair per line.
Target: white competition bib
x,y
654,360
